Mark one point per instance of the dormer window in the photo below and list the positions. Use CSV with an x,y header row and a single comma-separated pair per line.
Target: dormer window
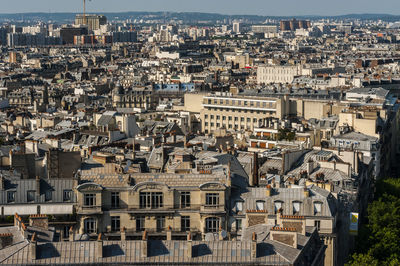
x,y
239,206
260,205
317,207
278,205
296,207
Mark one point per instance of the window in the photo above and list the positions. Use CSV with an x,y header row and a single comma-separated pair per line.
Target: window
x,y
205,116
296,207
212,224
230,118
115,223
48,195
212,116
90,199
212,199
30,195
151,200
317,207
185,223
218,117
156,199
185,199
67,195
317,224
242,119
278,206
65,232
10,196
259,205
160,223
223,118
90,225
239,206
140,220
115,199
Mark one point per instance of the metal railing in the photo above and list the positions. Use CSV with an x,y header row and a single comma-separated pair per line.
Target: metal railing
x,y
163,207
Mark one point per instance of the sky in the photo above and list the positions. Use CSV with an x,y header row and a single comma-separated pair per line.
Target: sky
x,y
239,7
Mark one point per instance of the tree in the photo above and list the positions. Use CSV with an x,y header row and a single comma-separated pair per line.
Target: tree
x,y
378,240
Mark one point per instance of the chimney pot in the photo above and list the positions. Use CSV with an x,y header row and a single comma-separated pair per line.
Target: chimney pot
x,y
99,247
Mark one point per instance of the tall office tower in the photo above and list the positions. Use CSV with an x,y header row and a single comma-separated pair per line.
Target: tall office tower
x,y
294,24
92,21
236,27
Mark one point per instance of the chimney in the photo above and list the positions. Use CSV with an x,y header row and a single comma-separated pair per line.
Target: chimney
x,y
6,239
37,188
269,191
220,235
133,149
144,249
39,220
279,217
32,247
310,167
285,235
169,233
71,234
99,247
306,192
229,174
189,246
254,246
2,182
255,169
185,141
123,234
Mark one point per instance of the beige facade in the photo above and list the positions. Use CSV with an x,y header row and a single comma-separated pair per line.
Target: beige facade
x,y
239,112
197,205
277,74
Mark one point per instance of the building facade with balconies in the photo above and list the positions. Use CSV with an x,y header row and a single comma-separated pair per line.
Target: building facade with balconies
x,y
154,202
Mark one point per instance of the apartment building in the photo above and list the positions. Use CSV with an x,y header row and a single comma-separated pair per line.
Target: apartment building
x,y
155,202
297,207
277,74
224,110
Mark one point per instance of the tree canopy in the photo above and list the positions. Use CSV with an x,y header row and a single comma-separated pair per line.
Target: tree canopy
x,y
378,242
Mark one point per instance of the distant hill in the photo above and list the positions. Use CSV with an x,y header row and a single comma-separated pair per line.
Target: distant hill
x,y
187,17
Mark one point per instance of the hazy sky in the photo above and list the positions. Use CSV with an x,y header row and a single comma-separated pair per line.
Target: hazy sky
x,y
257,7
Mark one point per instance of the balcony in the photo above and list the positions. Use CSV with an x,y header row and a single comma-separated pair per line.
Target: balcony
x,y
213,209
88,210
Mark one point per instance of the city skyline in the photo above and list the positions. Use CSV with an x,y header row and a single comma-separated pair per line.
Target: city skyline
x,y
235,7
